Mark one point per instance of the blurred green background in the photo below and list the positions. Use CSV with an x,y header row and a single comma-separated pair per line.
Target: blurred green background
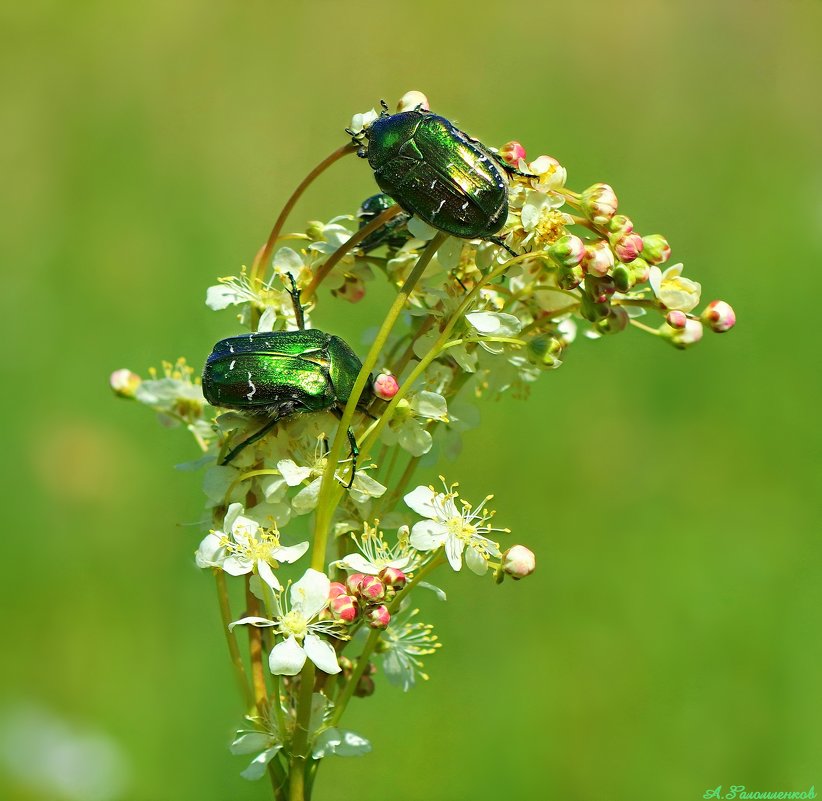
x,y
669,641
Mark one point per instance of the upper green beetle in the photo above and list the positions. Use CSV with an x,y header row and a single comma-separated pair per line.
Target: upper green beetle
x,y
438,173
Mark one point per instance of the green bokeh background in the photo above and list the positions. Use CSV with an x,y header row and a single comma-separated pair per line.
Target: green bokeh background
x,y
669,641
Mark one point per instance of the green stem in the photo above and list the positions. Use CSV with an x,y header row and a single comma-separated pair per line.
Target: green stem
x,y
258,266
326,502
644,327
231,640
299,745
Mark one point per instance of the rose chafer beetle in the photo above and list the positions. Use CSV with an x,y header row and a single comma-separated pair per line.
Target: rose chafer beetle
x,y
279,374
438,173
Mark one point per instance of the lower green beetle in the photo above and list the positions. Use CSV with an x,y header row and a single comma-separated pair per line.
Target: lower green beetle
x,y
280,374
438,173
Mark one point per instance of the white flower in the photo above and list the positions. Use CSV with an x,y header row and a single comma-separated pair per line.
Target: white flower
x,y
674,291
265,744
401,644
493,324
300,628
375,553
244,546
359,122
452,526
312,469
407,426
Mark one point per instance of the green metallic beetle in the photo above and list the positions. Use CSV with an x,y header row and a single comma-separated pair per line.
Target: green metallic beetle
x,y
279,374
438,173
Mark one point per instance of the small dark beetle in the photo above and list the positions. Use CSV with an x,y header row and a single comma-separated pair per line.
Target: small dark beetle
x,y
438,173
394,233
279,374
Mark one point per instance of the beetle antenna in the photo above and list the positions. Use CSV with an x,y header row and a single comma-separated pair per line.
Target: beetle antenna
x,y
295,293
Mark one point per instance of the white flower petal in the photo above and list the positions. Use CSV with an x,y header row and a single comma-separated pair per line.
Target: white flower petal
x,y
310,594
421,500
414,438
210,553
265,572
341,743
222,296
259,622
454,547
359,564
364,484
250,742
286,658
238,565
292,473
306,499
429,404
290,553
476,564
321,654
428,535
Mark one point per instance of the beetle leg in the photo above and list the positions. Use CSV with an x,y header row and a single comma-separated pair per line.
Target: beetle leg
x,y
250,440
498,241
355,452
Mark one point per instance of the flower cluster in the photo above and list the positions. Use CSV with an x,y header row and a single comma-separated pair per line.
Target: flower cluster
x,y
336,450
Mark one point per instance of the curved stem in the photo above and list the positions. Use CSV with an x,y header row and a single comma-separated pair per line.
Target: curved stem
x,y
231,639
337,255
325,505
264,253
255,649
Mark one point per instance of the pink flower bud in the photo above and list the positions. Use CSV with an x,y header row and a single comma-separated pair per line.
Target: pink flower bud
x,y
372,589
385,386
719,316
519,561
656,249
628,247
336,589
413,99
378,616
621,225
393,577
568,250
125,383
623,277
599,203
353,582
689,335
677,319
598,258
344,608
616,321
512,152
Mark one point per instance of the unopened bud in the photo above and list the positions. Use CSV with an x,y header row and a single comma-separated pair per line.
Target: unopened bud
x,y
393,577
683,337
676,319
412,100
512,152
336,589
378,617
719,316
570,277
125,383
628,247
623,277
599,203
621,225
545,350
385,386
656,249
641,269
353,582
352,289
519,561
568,250
365,685
372,589
616,321
344,608
598,258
